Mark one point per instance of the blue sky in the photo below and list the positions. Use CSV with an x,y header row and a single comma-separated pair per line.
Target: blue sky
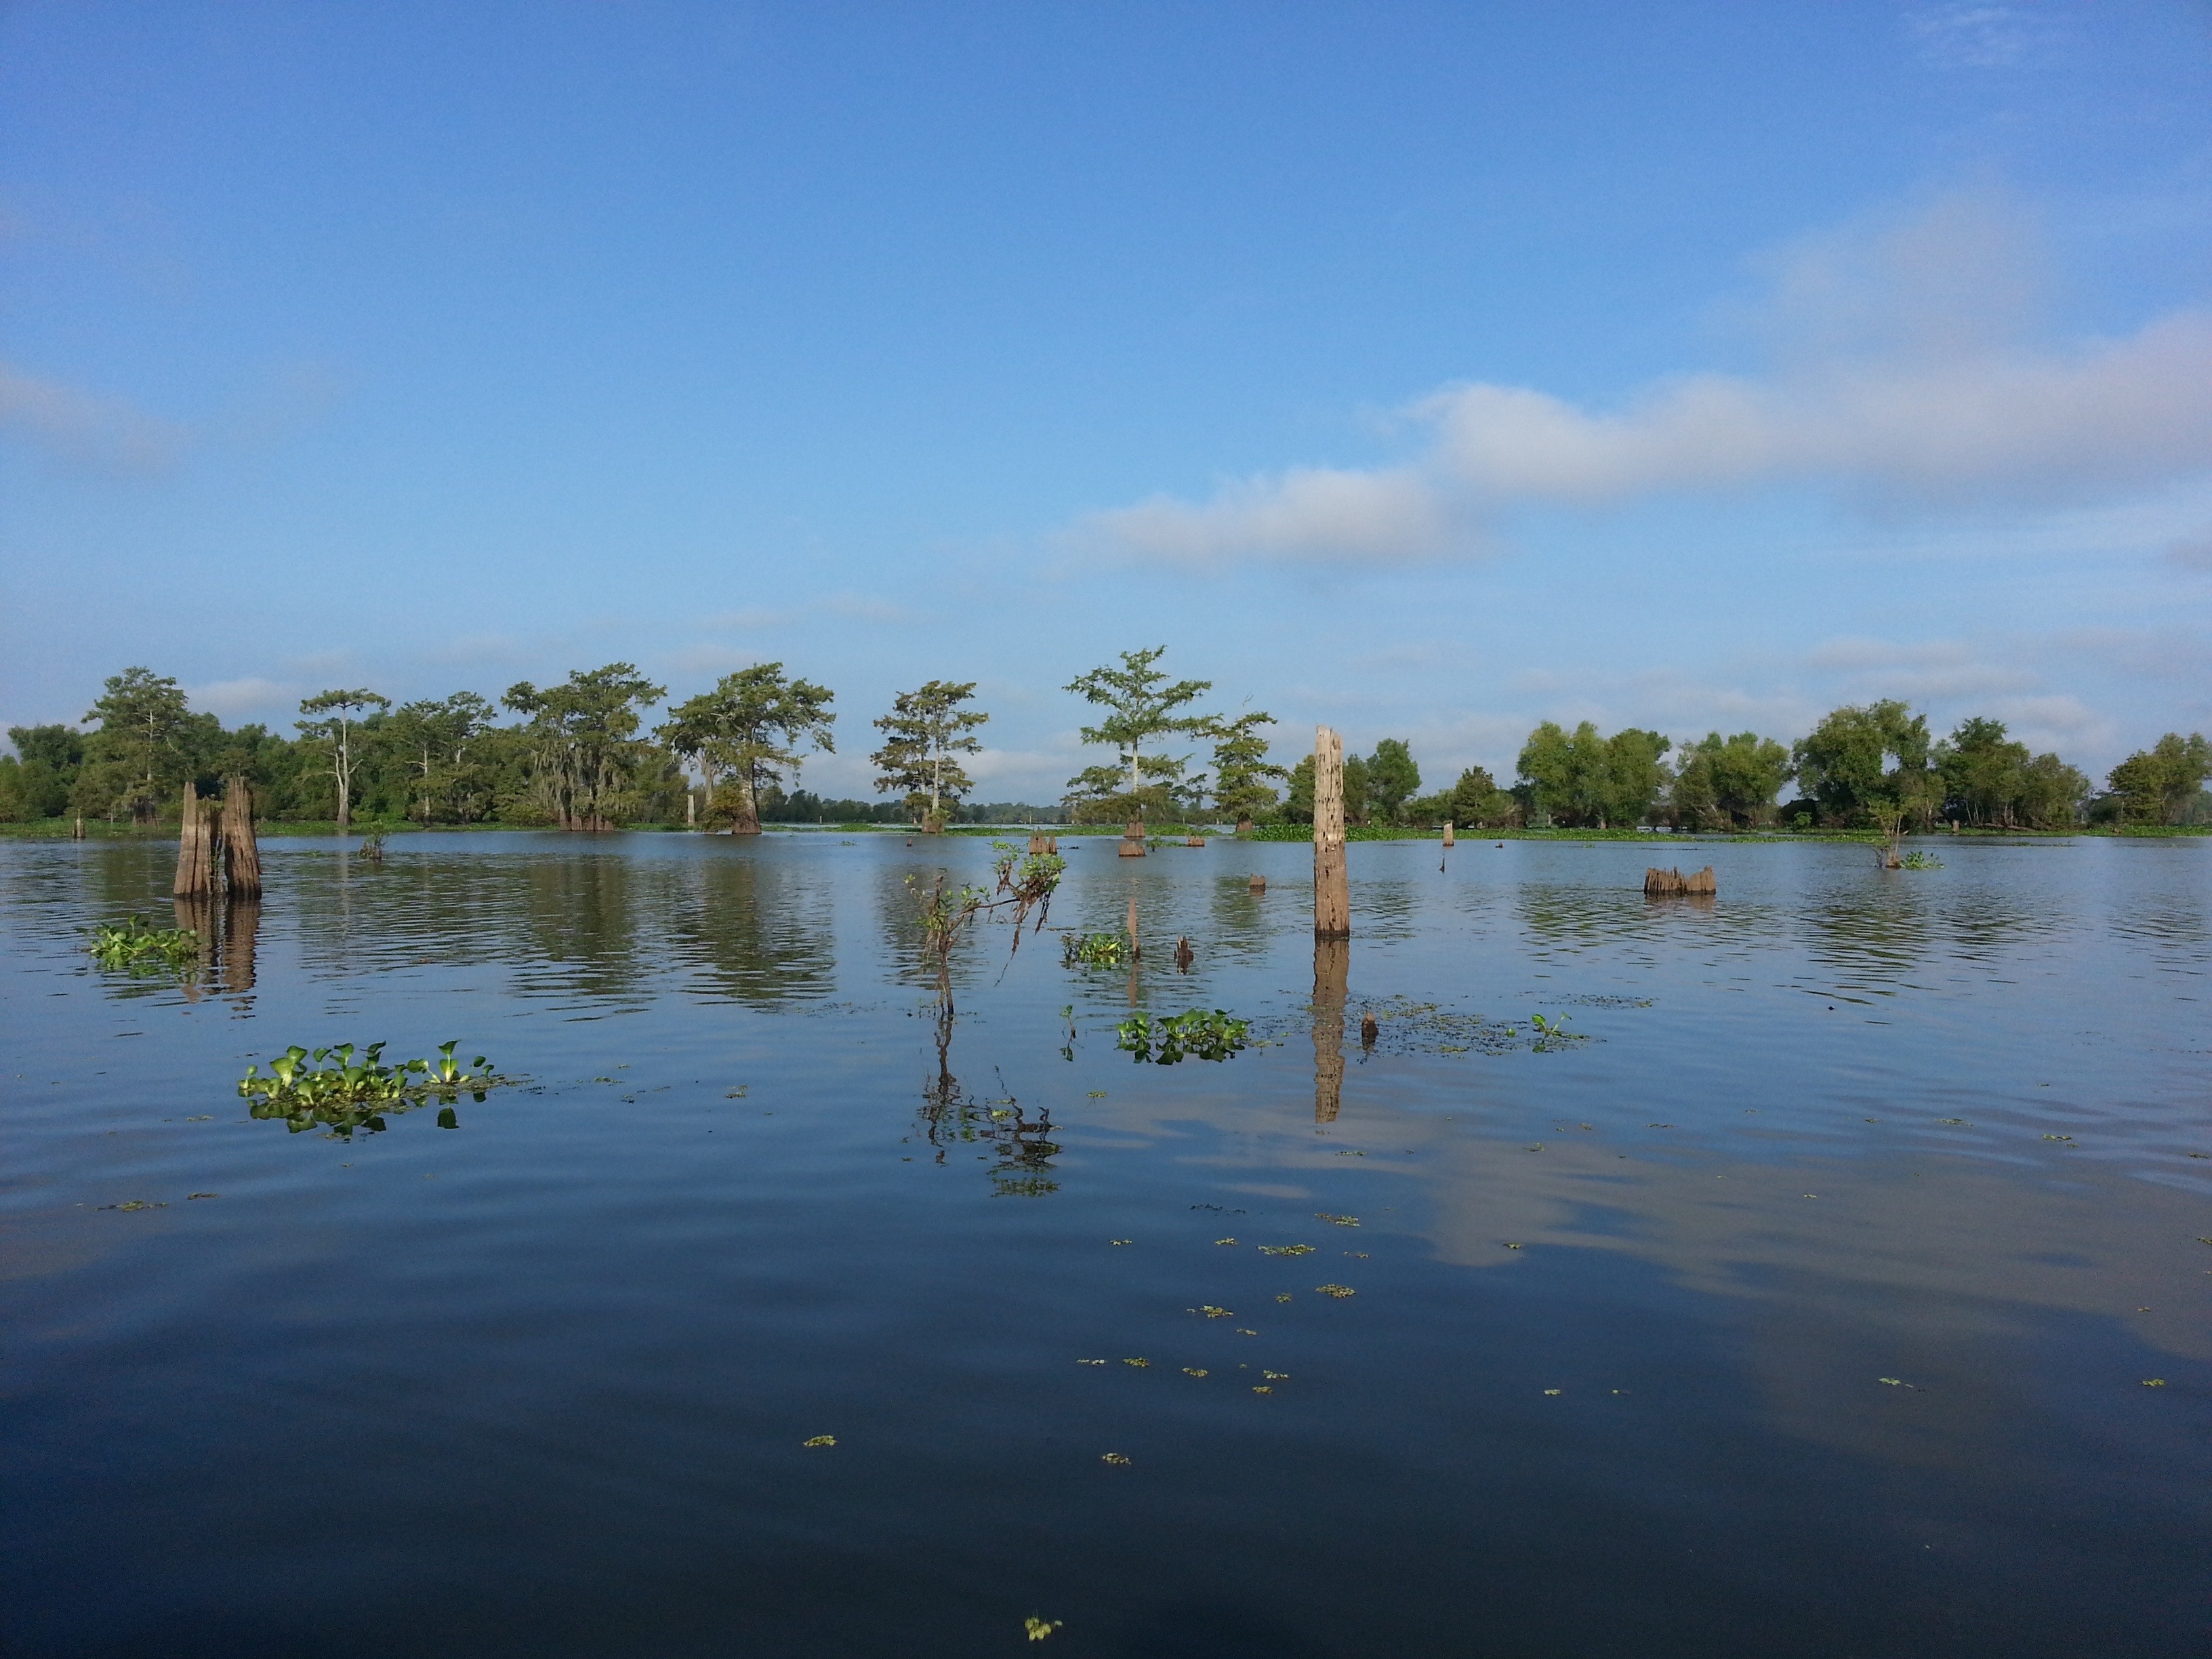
x,y
1428,370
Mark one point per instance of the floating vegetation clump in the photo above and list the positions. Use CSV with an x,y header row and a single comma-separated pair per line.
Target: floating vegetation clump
x,y
1093,950
136,947
1197,1033
1919,861
349,1093
1406,1027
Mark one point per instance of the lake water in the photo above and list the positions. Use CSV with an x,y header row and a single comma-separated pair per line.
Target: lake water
x,y
1801,1301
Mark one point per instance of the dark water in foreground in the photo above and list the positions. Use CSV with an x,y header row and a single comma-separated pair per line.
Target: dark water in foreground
x,y
1611,1382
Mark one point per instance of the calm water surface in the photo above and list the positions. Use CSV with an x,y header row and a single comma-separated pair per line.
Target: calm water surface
x,y
1804,1305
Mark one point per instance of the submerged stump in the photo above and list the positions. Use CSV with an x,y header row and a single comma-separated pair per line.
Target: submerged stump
x,y
1673,884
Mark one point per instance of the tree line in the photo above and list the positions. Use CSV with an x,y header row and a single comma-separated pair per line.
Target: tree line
x,y
583,755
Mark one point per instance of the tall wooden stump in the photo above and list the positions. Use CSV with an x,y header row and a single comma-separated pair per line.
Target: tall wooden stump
x,y
195,850
1448,840
241,853
1332,971
1332,891
1132,839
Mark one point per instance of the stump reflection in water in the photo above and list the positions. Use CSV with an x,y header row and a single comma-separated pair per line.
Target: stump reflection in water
x,y
1332,971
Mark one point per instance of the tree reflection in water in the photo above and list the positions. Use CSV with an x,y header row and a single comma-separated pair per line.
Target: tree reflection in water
x,y
951,1117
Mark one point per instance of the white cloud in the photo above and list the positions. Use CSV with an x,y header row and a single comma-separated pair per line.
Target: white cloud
x,y
1905,372
231,699
1307,513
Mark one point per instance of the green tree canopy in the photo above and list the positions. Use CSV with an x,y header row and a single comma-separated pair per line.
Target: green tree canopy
x,y
1868,763
1721,782
1392,779
924,733
432,741
1988,779
142,748
751,726
331,731
586,755
49,759
1476,799
1581,779
1142,706
2159,785
1242,789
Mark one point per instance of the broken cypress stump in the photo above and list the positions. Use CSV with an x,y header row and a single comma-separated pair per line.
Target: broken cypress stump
x,y
1184,955
195,850
1673,884
1259,883
1332,893
1194,841
1449,841
1041,843
1132,839
241,853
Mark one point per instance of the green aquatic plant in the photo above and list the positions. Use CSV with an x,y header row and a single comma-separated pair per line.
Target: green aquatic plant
x,y
1197,1033
1920,862
1093,950
137,947
349,1093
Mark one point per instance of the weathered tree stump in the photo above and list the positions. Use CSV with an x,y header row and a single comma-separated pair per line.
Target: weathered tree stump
x,y
1132,839
1332,891
1673,884
1259,884
1368,1030
1448,840
1184,955
195,850
241,853
1040,843
1194,841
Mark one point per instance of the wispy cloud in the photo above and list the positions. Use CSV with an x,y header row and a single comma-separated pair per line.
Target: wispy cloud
x,y
1904,372
106,435
1975,37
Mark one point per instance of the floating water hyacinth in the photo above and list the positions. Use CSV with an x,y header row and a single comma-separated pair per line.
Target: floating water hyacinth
x,y
1286,1249
1197,1033
1115,1458
1336,1220
821,1440
349,1093
137,947
1338,1291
